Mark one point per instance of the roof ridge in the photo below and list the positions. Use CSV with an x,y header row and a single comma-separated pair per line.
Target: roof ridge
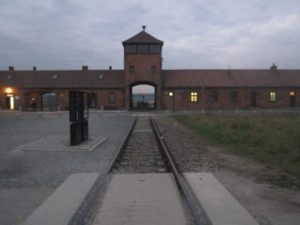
x,y
144,38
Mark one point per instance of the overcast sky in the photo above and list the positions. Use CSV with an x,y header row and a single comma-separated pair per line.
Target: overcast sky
x,y
66,34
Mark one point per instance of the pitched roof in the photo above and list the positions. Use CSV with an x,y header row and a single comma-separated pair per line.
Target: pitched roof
x,y
143,38
231,78
64,79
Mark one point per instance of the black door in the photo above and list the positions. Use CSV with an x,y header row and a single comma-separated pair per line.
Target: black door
x,y
92,99
292,101
253,99
7,102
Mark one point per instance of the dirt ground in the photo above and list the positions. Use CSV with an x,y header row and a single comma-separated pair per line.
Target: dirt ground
x,y
271,196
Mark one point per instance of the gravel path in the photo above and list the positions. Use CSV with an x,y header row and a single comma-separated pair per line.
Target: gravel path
x,y
189,152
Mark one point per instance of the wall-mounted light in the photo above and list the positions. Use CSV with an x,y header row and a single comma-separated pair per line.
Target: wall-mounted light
x,y
8,90
171,93
292,93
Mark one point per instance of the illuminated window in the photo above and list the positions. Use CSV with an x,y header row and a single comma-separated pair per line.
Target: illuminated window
x,y
292,93
112,97
273,96
194,96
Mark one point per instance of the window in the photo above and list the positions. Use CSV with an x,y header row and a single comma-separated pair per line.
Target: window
x,y
273,96
154,49
233,96
131,69
142,48
194,96
153,69
214,96
112,97
130,49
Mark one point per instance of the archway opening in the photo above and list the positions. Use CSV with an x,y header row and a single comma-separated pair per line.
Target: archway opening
x,y
143,96
49,102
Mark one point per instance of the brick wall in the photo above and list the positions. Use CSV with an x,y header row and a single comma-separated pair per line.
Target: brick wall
x,y
62,98
142,73
181,98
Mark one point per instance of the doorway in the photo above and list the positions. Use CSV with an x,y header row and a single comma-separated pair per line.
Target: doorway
x,y
92,100
292,98
10,101
253,95
49,102
143,96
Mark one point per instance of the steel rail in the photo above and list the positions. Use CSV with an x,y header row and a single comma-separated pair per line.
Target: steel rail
x,y
89,202
197,211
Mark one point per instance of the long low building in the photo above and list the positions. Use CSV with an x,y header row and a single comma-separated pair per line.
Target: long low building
x,y
172,89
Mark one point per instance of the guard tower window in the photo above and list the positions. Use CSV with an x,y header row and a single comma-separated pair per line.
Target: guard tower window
x,y
154,49
273,96
142,48
130,49
131,69
194,96
112,97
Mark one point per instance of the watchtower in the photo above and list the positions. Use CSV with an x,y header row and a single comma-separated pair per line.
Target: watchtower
x,y
143,64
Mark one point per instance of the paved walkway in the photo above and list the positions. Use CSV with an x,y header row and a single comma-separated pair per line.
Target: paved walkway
x,y
140,199
219,205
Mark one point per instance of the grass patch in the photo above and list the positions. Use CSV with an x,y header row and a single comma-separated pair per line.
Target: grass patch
x,y
271,139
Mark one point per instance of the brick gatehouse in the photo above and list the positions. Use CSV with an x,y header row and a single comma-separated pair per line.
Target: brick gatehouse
x,y
173,89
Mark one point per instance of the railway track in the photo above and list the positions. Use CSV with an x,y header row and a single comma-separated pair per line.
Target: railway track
x,y
147,152
143,151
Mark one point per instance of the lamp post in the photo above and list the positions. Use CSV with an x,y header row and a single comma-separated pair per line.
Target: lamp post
x,y
171,94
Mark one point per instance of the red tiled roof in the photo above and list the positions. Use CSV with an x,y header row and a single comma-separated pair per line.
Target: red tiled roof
x,y
65,79
142,38
231,78
172,78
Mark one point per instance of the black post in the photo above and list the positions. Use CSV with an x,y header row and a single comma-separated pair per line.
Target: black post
x,y
78,120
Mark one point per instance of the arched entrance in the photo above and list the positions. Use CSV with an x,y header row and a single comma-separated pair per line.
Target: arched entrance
x,y
142,96
49,102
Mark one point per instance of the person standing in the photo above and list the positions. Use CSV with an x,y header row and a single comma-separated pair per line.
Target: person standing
x,y
33,104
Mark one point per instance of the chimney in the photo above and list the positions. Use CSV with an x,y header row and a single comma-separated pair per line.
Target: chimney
x,y
229,70
11,68
34,68
144,27
110,67
273,67
85,67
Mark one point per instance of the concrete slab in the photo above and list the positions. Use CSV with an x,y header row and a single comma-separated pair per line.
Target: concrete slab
x,y
62,143
59,208
138,199
16,204
219,205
